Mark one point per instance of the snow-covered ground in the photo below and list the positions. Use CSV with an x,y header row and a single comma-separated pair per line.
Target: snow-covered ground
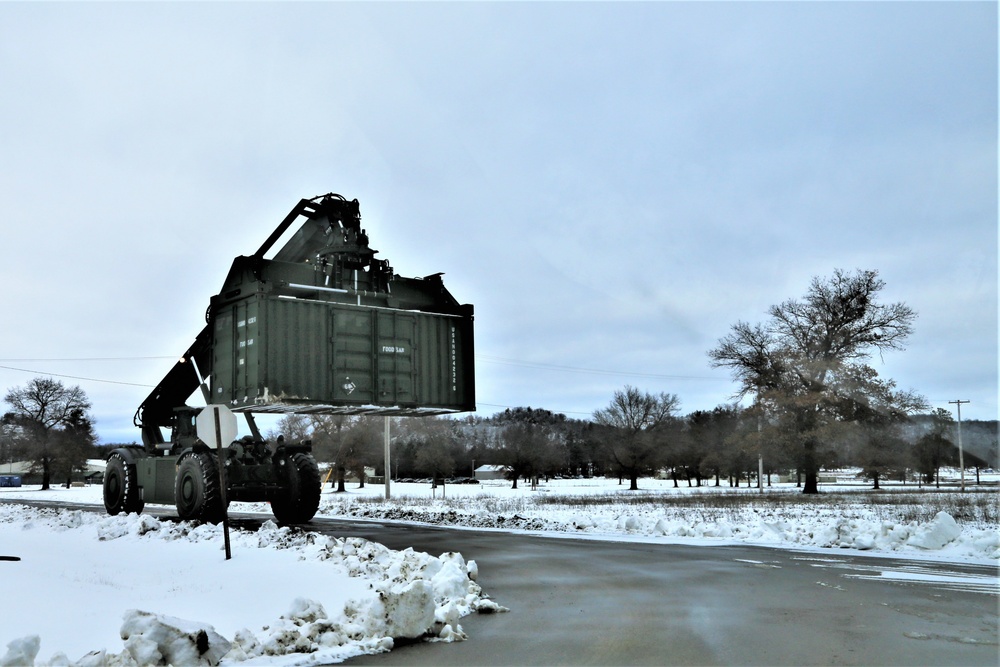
x,y
85,582
598,507
90,589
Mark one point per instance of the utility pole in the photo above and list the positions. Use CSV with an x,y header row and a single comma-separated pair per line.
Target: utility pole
x,y
760,452
388,463
961,457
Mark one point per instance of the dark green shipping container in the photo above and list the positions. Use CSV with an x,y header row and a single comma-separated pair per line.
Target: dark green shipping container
x,y
274,354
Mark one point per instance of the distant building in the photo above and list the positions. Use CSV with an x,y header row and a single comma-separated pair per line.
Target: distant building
x,y
486,472
22,470
352,476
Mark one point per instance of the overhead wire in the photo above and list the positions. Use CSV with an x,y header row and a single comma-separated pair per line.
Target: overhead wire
x,y
75,377
595,371
13,361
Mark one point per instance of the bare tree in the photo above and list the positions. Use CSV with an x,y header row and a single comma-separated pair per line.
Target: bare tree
x,y
710,433
806,364
42,409
531,442
633,423
293,428
329,443
521,450
74,443
362,445
9,440
935,449
435,459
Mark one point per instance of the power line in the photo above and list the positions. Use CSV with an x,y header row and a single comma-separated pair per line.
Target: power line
x,y
594,371
75,377
19,361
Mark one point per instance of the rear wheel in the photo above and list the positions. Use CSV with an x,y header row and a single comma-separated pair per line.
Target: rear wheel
x,y
196,491
121,489
300,499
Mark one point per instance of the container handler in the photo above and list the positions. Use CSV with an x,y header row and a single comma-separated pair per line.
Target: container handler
x,y
320,327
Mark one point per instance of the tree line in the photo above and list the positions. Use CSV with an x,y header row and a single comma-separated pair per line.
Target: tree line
x,y
638,435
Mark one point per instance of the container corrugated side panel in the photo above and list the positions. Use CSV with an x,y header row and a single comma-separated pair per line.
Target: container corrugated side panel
x,y
434,362
352,355
442,369
234,353
295,364
465,364
223,374
246,349
394,350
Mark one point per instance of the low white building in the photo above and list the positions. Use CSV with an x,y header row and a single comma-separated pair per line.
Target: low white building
x,y
486,472
19,472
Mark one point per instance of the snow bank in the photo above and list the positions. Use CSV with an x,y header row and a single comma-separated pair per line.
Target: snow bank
x,y
152,639
942,535
341,596
855,527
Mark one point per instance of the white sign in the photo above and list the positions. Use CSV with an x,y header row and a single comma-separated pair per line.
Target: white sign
x,y
216,425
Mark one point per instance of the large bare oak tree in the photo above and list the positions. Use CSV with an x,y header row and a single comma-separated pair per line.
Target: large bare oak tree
x,y
635,430
807,364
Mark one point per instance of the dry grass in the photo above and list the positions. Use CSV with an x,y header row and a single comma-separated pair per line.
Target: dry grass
x,y
972,507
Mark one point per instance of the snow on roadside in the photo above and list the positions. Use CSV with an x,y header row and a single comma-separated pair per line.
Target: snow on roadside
x,y
847,527
85,582
852,524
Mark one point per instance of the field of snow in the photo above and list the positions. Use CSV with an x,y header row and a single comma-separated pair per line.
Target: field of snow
x,y
166,586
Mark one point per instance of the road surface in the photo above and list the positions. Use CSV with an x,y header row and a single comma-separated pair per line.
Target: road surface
x,y
589,602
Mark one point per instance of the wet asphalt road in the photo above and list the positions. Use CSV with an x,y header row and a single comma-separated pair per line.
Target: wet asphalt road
x,y
590,602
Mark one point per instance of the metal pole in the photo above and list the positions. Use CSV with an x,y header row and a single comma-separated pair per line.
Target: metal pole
x,y
760,454
222,480
388,470
961,456
205,393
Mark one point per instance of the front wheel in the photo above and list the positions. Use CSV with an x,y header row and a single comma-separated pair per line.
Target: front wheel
x,y
121,488
299,498
196,490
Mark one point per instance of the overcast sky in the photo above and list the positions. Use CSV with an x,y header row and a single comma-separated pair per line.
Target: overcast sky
x,y
613,186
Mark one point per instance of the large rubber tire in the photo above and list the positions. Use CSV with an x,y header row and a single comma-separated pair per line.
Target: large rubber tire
x,y
121,488
196,490
299,500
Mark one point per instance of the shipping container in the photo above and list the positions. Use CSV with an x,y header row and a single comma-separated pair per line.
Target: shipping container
x,y
274,354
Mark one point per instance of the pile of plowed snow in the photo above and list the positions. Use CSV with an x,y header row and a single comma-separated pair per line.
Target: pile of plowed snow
x,y
130,590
